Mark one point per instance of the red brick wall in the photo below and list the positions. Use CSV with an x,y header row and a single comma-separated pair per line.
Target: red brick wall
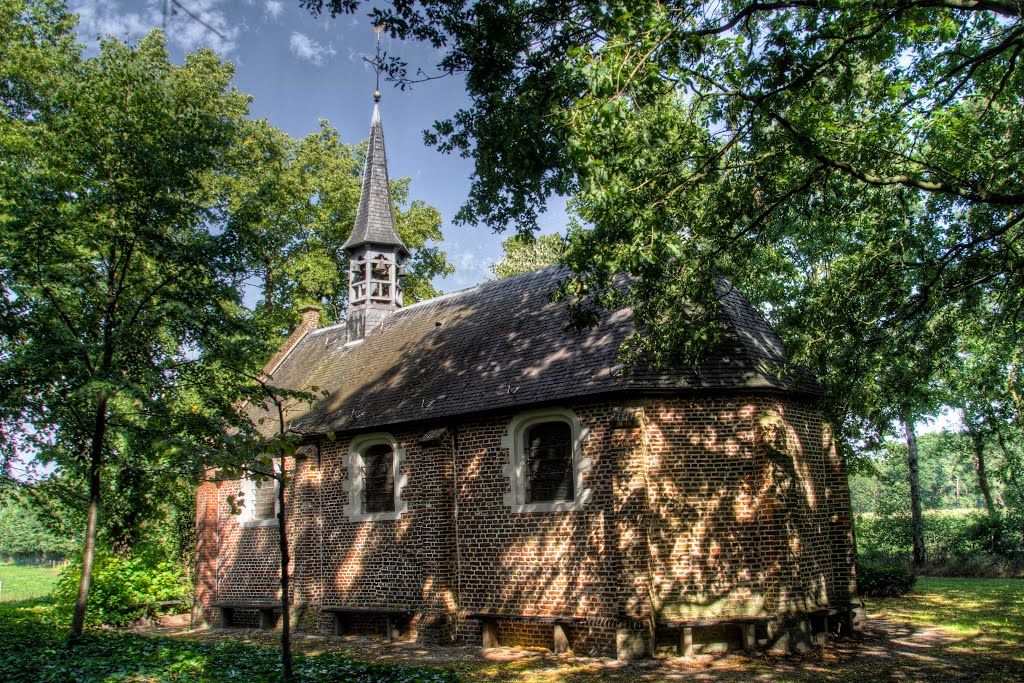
x,y
402,564
206,554
736,527
690,515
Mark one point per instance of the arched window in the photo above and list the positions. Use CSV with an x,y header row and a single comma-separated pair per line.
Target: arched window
x,y
380,279
375,479
357,281
549,472
546,467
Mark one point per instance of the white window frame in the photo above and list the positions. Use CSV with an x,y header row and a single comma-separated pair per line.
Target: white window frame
x,y
353,461
515,467
247,488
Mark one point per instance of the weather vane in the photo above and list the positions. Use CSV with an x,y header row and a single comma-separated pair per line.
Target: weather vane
x,y
377,63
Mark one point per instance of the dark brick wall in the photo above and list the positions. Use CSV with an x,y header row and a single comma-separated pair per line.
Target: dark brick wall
x,y
691,514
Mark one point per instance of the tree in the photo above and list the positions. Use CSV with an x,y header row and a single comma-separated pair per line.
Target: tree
x,y
523,253
23,534
121,296
297,204
691,134
980,381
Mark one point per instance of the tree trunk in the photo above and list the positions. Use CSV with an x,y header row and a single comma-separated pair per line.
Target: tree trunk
x,y
286,612
92,521
978,441
916,521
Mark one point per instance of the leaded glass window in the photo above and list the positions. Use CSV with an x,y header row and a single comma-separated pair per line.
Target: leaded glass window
x,y
378,479
549,470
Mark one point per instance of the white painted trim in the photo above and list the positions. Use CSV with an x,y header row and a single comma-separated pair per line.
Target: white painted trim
x,y
353,461
515,466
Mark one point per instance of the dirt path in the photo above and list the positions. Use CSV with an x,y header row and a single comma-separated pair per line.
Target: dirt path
x,y
885,651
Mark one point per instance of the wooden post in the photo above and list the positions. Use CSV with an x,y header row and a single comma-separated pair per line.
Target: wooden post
x,y
748,636
387,624
686,642
490,633
560,641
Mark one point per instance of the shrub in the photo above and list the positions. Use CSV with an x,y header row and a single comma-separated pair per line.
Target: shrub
x,y
123,586
968,542
878,582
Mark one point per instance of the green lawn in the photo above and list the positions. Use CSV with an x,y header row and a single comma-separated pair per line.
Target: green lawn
x,y
22,583
987,608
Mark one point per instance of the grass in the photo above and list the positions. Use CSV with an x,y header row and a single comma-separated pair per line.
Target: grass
x,y
989,608
948,630
22,583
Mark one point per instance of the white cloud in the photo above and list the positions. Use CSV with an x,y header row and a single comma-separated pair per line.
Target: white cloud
x,y
471,268
191,24
105,17
274,8
307,49
221,29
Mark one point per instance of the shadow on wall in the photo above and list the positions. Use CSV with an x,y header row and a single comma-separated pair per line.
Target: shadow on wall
x,y
695,513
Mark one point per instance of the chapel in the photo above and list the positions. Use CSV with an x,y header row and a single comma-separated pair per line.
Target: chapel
x,y
479,474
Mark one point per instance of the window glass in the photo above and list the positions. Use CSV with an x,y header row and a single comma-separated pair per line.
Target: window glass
x,y
378,479
549,469
263,500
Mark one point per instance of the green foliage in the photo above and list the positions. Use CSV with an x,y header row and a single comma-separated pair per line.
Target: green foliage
x,y
31,651
884,581
293,208
852,167
525,252
958,542
23,533
124,586
947,475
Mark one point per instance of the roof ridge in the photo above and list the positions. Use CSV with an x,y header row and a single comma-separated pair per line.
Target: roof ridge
x,y
452,295
505,281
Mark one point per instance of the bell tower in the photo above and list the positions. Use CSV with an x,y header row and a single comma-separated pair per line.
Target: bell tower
x,y
376,252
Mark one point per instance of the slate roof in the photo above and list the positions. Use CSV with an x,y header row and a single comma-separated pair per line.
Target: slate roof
x,y
504,344
375,222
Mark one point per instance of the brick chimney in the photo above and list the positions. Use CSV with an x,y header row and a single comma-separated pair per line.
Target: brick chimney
x,y
310,316
310,321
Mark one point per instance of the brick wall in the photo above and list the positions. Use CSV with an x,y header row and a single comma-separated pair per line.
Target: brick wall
x,y
690,515
738,528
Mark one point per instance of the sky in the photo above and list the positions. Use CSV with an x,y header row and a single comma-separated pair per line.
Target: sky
x,y
300,69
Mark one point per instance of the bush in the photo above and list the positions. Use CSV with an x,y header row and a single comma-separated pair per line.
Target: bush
x,y
968,542
880,582
124,587
976,566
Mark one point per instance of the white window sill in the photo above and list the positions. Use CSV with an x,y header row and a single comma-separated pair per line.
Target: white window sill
x,y
553,505
258,523
376,517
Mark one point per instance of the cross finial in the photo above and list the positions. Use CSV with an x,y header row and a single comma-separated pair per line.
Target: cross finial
x,y
376,63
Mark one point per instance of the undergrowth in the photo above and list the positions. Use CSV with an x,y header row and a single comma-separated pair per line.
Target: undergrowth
x,y
32,650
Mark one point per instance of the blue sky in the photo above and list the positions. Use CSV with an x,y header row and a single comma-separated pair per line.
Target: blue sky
x,y
300,69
